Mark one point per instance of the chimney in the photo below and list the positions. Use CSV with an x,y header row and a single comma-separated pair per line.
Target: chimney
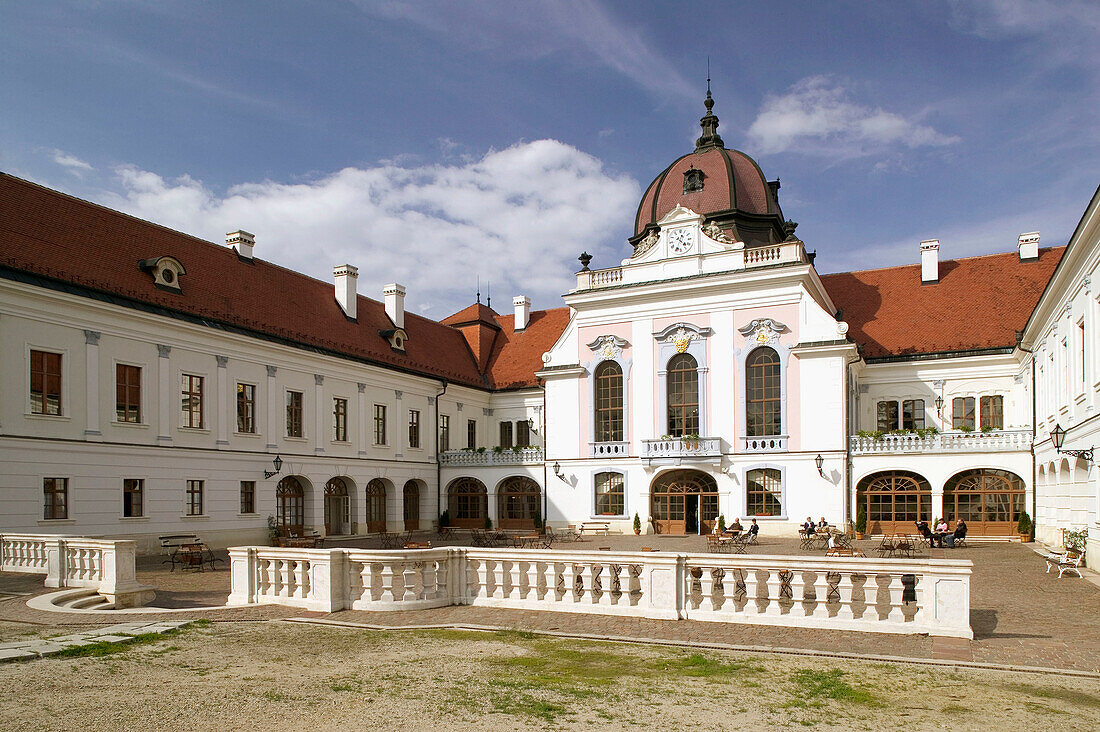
x,y
395,303
346,296
930,262
1029,246
522,304
243,242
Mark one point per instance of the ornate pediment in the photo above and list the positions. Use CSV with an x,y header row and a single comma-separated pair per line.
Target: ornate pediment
x,y
680,335
764,331
646,244
608,347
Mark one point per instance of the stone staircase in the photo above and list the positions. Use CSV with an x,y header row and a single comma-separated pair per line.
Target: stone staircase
x,y
82,599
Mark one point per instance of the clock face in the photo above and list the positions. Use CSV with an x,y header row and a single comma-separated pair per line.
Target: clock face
x,y
680,241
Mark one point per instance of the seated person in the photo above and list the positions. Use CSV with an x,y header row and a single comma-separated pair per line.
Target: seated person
x,y
823,524
923,530
754,529
959,533
735,526
809,526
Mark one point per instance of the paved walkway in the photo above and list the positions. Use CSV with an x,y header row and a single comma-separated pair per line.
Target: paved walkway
x,y
118,633
1020,614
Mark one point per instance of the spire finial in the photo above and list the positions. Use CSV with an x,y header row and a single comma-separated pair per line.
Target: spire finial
x,y
479,289
709,122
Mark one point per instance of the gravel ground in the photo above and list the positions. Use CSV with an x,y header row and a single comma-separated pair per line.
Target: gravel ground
x,y
271,675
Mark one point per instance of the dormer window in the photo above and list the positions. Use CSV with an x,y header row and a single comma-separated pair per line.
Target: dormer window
x,y
396,337
166,272
693,180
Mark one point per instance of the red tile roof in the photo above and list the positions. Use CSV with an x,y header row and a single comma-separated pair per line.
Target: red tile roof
x,y
47,233
979,303
517,356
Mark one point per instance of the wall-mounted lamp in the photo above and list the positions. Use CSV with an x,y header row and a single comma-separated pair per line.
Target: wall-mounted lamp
x,y
820,462
939,406
1058,437
557,472
278,463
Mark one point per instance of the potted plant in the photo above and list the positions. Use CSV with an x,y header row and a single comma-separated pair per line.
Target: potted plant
x,y
537,518
445,519
488,524
498,449
273,533
861,523
637,525
481,451
721,522
1024,527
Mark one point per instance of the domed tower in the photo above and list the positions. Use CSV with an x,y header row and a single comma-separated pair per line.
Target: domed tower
x,y
726,186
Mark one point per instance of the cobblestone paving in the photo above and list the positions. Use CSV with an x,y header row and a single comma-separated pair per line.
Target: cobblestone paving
x,y
1020,614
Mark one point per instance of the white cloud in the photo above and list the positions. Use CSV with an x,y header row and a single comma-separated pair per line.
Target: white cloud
x,y
578,29
516,217
815,116
74,164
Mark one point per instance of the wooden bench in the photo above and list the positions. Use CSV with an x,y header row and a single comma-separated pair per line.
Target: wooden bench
x,y
596,528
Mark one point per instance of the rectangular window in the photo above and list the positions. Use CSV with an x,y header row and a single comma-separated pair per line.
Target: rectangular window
x,y
912,414
471,433
609,494
380,424
339,419
523,433
887,416
128,393
45,382
414,428
992,412
962,413
764,494
133,494
444,432
246,409
294,414
55,495
505,434
248,496
191,401
194,498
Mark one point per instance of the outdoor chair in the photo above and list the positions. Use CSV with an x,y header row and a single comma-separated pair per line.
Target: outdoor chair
x,y
1068,562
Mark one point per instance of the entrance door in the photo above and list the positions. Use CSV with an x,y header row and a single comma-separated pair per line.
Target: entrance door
x,y
374,508
894,501
337,507
691,514
989,501
412,506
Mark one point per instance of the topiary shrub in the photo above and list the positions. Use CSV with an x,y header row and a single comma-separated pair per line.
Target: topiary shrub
x,y
861,520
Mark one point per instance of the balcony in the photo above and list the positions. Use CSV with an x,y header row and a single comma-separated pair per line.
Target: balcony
x,y
999,441
507,456
609,449
678,450
771,443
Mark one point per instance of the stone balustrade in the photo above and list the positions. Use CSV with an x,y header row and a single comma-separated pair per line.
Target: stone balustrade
x,y
609,449
771,443
998,441
843,593
107,566
507,456
677,449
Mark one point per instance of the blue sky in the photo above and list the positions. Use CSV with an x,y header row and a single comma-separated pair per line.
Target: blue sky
x,y
432,143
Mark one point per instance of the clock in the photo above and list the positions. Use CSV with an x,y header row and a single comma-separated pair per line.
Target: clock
x,y
680,240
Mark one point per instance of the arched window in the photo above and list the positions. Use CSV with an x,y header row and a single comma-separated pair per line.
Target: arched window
x,y
609,402
290,501
337,506
411,507
683,395
893,501
468,502
518,498
764,492
684,502
989,501
763,394
609,494
374,510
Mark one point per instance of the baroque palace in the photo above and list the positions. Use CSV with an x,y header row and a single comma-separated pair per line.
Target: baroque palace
x,y
152,382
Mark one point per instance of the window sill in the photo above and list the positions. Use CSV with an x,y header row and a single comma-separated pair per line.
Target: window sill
x,y
133,519
387,447
248,515
195,430
288,438
131,425
749,518
247,434
49,417
197,517
56,522
608,517
344,443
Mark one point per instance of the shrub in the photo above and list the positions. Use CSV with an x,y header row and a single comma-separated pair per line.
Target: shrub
x,y
488,523
445,518
637,523
1024,525
538,519
498,449
861,520
721,522
481,451
966,428
870,434
1075,540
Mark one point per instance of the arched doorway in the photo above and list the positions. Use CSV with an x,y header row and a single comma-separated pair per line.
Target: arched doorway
x,y
468,502
684,502
410,496
518,500
337,507
374,507
290,505
989,501
894,501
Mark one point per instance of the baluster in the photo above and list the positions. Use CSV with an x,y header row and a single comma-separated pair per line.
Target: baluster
x,y
706,589
870,598
485,577
601,579
821,593
430,588
845,611
305,578
498,579
751,591
895,615
409,573
798,594
473,577
387,583
774,583
568,578
515,579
